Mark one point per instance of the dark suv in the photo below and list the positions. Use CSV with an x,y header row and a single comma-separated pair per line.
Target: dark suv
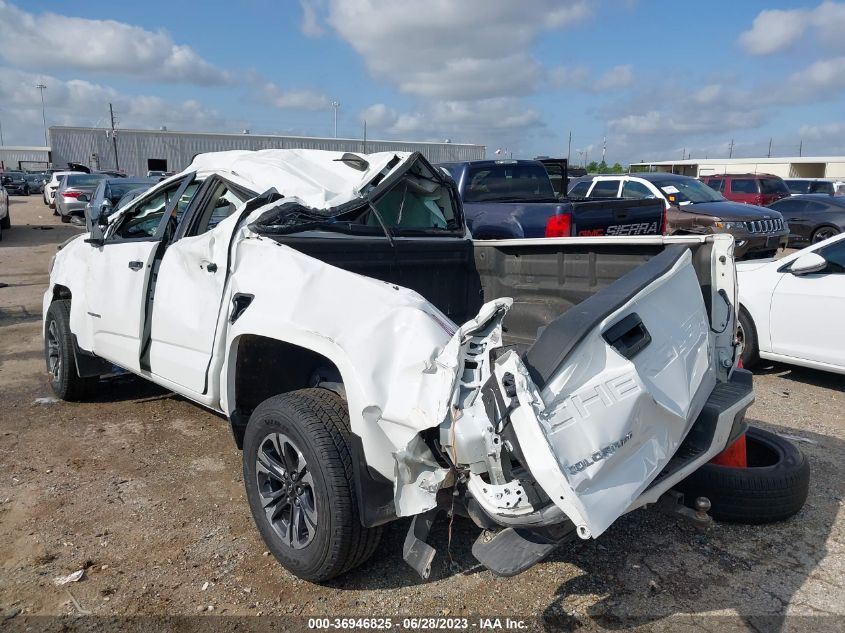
x,y
15,182
759,189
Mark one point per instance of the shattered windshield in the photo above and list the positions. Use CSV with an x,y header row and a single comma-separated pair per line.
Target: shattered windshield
x,y
418,200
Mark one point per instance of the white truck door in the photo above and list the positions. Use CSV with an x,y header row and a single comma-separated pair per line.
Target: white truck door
x,y
119,272
189,289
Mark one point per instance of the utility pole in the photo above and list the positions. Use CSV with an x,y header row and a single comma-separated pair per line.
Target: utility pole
x,y
1,133
801,147
769,155
603,148
113,137
42,88
365,136
683,153
731,149
335,105
569,149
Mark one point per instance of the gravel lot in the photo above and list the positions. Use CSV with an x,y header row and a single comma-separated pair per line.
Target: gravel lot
x,y
143,489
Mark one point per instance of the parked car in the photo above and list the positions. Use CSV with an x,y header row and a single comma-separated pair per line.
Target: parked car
x,y
36,181
813,217
15,183
829,186
52,185
156,173
108,193
759,189
692,208
74,193
515,198
130,195
5,218
396,409
791,309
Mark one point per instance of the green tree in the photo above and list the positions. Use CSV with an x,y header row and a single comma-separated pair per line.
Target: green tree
x,y
592,167
602,167
617,169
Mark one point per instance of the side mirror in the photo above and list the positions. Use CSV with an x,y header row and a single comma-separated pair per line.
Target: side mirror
x,y
102,221
807,264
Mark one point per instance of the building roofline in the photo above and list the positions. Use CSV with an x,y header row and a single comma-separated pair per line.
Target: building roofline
x,y
23,148
739,161
309,138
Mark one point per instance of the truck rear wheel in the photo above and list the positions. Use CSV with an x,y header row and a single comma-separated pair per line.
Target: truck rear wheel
x,y
299,483
67,384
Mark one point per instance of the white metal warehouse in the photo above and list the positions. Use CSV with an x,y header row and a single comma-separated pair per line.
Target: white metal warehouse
x,y
785,167
19,157
139,151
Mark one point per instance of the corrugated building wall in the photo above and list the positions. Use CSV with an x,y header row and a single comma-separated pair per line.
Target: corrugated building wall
x,y
29,158
141,150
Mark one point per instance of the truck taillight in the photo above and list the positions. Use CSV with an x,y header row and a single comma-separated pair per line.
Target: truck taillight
x,y
559,225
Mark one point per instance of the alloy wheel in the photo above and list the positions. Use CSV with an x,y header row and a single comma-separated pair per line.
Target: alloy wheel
x,y
286,488
54,356
823,234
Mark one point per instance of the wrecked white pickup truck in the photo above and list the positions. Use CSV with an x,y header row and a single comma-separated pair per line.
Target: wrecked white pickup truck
x,y
376,363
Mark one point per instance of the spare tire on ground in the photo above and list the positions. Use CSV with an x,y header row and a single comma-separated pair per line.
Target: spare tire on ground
x,y
772,488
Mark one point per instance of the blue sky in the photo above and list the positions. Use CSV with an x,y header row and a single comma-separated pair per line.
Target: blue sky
x,y
657,78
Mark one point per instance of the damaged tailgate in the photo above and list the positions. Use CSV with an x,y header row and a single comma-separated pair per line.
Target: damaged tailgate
x,y
609,390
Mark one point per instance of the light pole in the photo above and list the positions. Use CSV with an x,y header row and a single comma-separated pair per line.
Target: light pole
x,y
42,88
335,105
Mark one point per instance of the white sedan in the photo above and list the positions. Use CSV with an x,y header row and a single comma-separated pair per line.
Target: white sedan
x,y
793,309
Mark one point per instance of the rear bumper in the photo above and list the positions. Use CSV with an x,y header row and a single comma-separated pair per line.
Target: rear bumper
x,y
720,422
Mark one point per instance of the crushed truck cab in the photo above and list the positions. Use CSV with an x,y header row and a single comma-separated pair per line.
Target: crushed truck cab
x,y
375,362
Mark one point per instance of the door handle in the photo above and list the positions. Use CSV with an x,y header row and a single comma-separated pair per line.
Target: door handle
x,y
134,265
629,336
211,267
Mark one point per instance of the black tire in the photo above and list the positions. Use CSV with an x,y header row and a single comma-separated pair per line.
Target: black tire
x,y
58,348
747,333
6,222
317,423
773,487
65,218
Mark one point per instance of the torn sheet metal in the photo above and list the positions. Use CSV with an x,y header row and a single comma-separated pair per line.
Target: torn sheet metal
x,y
605,426
319,179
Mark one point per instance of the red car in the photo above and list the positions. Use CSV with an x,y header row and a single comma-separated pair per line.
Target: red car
x,y
759,189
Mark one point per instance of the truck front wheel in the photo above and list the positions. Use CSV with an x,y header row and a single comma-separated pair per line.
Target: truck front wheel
x,y
67,384
300,487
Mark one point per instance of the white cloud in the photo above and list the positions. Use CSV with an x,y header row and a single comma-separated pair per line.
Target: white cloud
x,y
614,79
78,102
379,115
776,30
499,121
51,41
473,49
294,99
824,132
310,26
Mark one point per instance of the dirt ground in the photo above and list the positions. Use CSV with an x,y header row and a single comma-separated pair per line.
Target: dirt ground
x,y
143,490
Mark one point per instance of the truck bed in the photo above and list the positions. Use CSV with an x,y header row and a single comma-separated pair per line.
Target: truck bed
x,y
544,277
